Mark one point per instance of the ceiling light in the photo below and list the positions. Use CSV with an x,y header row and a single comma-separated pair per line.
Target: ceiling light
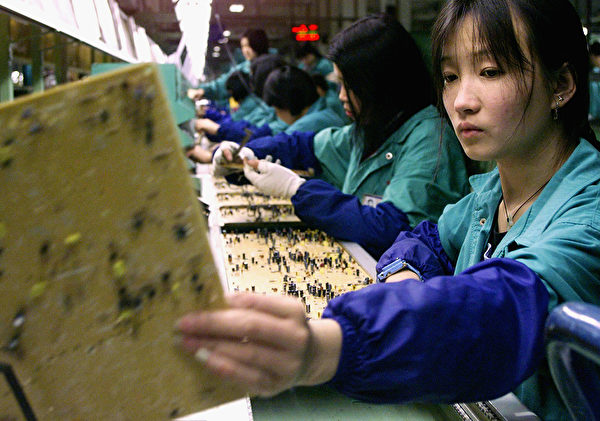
x,y
585,31
216,54
236,8
217,48
226,33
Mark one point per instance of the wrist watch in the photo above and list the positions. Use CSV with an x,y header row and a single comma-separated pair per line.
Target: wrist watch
x,y
395,267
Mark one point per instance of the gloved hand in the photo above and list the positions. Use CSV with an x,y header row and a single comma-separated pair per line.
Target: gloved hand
x,y
220,157
273,179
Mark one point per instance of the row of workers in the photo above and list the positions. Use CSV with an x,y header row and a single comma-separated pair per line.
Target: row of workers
x,y
469,272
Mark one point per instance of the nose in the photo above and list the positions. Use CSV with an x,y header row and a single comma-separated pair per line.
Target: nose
x,y
343,96
467,99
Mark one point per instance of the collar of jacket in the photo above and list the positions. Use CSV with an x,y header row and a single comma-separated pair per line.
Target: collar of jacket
x,y
580,170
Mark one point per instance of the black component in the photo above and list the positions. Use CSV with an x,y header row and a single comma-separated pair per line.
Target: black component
x,y
44,248
149,132
17,391
181,231
104,115
165,277
138,220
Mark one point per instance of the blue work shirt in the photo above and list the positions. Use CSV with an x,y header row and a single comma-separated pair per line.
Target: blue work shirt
x,y
246,108
473,330
215,89
410,169
412,174
317,118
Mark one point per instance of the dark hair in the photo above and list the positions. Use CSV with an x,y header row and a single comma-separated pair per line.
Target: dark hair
x,y
238,83
381,64
320,81
595,48
494,30
257,38
260,69
290,88
306,48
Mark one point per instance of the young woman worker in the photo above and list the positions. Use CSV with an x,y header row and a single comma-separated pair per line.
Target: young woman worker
x,y
513,81
399,156
254,43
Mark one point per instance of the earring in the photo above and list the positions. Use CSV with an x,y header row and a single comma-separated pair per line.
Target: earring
x,y
555,109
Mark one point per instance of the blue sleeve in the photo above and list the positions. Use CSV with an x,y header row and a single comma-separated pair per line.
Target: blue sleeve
x,y
470,337
235,131
216,115
422,248
342,216
295,150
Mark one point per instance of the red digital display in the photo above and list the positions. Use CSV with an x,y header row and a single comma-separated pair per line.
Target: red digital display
x,y
306,33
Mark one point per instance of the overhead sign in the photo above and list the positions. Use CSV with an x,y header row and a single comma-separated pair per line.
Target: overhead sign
x,y
306,33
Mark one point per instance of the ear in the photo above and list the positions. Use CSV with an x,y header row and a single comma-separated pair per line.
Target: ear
x,y
564,87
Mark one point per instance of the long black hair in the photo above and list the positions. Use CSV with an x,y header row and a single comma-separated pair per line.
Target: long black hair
x,y
382,66
554,36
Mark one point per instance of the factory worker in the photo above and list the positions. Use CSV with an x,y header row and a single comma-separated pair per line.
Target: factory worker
x,y
292,93
464,319
325,90
399,163
261,120
312,61
254,44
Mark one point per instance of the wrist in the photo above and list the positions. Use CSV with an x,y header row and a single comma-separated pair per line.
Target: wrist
x,y
398,265
323,353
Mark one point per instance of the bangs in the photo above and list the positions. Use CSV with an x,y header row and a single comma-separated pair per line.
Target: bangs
x,y
494,35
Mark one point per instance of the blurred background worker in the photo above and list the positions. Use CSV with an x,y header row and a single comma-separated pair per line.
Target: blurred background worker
x,y
311,60
254,43
398,155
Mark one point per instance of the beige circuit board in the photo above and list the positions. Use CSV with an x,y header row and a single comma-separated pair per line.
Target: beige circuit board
x,y
102,249
307,264
245,204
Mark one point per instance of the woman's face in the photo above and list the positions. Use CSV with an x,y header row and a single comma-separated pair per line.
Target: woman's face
x,y
489,108
247,51
346,97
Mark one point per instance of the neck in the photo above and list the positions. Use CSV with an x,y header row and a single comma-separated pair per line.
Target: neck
x,y
521,175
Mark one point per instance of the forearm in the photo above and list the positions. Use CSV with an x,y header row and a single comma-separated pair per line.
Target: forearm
x,y
342,216
294,150
490,319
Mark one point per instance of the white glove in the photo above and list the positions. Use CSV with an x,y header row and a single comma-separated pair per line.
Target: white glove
x,y
273,179
219,159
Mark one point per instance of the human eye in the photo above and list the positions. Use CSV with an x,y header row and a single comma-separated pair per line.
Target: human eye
x,y
448,77
491,72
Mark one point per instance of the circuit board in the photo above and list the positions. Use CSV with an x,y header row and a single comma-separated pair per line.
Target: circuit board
x,y
307,264
102,249
244,204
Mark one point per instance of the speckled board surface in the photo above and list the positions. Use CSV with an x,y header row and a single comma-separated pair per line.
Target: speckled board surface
x,y
102,248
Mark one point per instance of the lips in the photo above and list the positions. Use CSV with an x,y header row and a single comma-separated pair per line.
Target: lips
x,y
468,129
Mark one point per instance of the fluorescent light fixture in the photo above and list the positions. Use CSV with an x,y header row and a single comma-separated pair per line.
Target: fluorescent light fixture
x,y
236,8
226,33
